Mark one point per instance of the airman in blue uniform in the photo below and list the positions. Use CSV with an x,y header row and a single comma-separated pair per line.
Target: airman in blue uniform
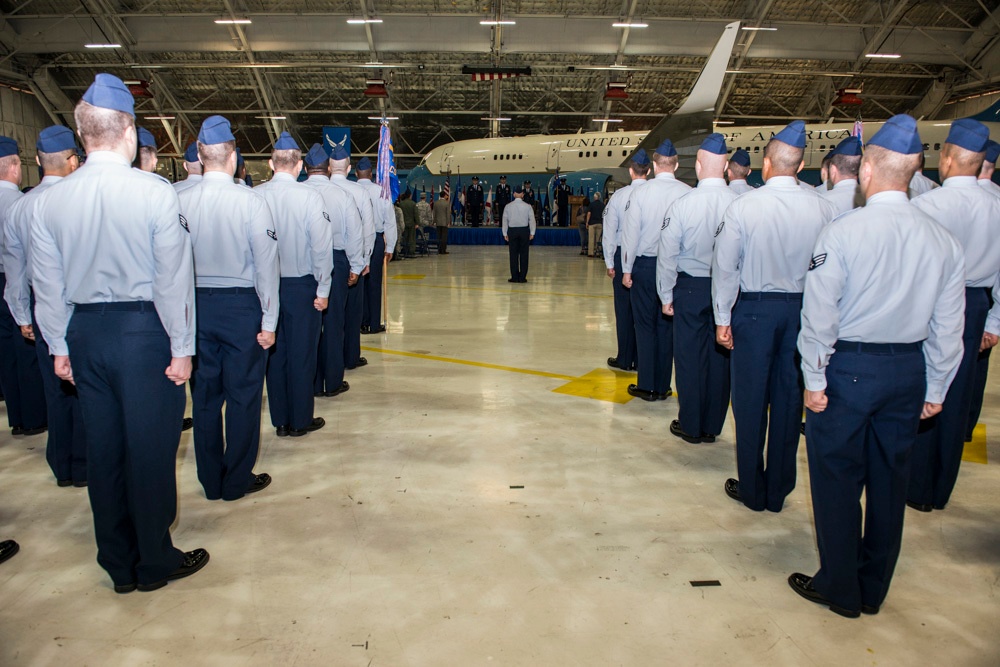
x,y
845,160
738,170
384,217
192,166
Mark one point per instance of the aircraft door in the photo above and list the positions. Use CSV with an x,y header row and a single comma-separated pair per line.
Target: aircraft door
x,y
552,159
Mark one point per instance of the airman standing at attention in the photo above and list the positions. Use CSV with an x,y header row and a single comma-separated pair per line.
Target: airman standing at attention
x,y
738,170
614,215
236,281
305,252
645,216
920,184
684,284
972,215
881,340
192,166
384,217
503,197
762,256
146,158
518,226
845,160
111,268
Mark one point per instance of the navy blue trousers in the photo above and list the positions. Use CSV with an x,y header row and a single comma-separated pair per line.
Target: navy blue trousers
x,y
767,395
862,442
330,365
937,455
702,366
371,314
132,416
352,324
519,238
654,331
19,374
292,364
230,370
66,450
624,325
979,386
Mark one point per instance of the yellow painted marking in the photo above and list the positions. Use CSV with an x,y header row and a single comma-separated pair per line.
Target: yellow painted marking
x,y
975,451
506,290
410,276
465,362
601,385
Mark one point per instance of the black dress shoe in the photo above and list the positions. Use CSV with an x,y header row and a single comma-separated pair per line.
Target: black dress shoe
x,y
283,431
36,431
511,280
80,484
187,424
365,329
340,390
732,487
675,428
613,362
64,482
193,561
802,585
920,507
17,430
361,362
871,610
373,330
122,589
260,482
7,549
316,424
634,390
665,395
523,280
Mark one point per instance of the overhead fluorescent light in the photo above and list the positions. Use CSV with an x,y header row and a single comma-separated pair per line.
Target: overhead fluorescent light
x,y
159,117
723,122
146,66
890,56
500,118
381,118
606,120
262,65
617,66
630,25
102,46
363,21
233,21
270,117
493,22
750,28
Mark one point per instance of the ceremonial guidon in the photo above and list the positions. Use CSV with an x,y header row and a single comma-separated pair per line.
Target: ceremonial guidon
x,y
340,166
111,267
384,217
645,215
844,162
19,374
972,215
192,165
66,450
881,341
684,285
738,170
762,253
518,227
349,260
305,252
614,215
237,282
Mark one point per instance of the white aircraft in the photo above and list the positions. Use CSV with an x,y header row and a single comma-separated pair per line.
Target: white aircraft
x,y
590,159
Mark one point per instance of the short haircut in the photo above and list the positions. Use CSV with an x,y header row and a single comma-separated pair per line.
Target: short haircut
x,y
597,196
145,154
286,159
785,159
966,160
321,168
738,171
847,165
100,128
214,156
7,164
639,170
664,162
364,173
340,166
55,161
891,166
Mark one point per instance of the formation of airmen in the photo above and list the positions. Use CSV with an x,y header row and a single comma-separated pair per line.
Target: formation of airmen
x,y
871,310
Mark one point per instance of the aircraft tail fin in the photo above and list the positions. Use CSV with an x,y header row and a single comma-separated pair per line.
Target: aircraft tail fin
x,y
989,115
706,89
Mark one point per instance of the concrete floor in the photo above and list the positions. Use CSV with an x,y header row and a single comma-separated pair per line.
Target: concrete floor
x,y
400,534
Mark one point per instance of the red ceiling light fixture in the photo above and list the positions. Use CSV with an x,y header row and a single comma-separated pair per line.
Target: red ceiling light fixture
x,y
375,88
615,91
138,88
848,97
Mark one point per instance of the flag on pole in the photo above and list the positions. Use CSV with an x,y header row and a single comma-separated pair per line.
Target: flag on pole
x,y
446,188
456,203
489,205
386,173
859,130
432,197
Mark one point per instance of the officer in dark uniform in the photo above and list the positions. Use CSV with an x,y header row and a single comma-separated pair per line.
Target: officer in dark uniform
x,y
503,197
236,280
112,272
881,339
19,375
684,284
66,450
305,252
474,202
762,253
972,215
562,202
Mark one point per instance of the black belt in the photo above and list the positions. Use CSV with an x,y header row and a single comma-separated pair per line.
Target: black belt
x,y
877,348
299,280
138,306
771,296
225,290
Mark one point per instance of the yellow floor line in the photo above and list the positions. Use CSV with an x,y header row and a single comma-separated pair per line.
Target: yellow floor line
x,y
975,451
466,362
505,291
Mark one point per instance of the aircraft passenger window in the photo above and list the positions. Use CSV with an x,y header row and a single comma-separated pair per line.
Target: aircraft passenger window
x,y
624,153
581,154
494,157
609,153
937,147
756,149
823,147
520,157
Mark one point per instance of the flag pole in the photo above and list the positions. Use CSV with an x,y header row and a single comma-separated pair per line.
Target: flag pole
x,y
385,292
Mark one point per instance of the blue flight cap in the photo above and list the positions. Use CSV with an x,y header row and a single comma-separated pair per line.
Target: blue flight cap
x,y
851,147
968,134
109,92
316,156
714,143
7,146
364,164
339,153
666,149
793,134
56,139
215,130
640,158
992,151
899,135
146,138
741,157
518,189
285,143
239,158
191,153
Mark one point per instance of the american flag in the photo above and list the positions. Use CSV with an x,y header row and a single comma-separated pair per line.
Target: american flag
x,y
446,188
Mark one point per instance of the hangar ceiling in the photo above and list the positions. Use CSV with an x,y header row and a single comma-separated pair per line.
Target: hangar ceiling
x,y
299,65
